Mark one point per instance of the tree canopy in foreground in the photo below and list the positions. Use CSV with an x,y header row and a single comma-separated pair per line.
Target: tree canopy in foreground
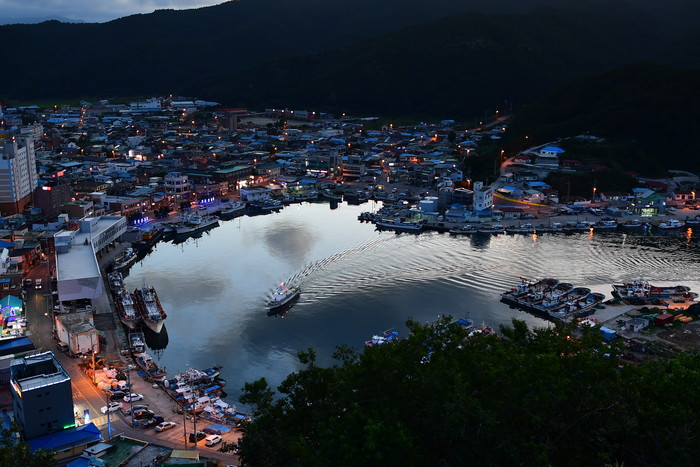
x,y
528,397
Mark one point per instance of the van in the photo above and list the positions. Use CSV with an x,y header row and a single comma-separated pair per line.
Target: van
x,y
213,440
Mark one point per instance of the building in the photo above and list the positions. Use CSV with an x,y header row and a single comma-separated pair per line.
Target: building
x,y
77,272
18,175
77,330
176,183
42,397
483,197
51,198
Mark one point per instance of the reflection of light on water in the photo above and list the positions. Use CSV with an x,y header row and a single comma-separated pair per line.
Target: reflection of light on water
x,y
688,236
590,234
534,237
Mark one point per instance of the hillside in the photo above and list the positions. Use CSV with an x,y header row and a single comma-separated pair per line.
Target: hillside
x,y
650,110
456,67
191,51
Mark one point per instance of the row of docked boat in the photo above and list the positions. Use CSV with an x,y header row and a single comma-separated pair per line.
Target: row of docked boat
x,y
142,305
191,223
199,393
642,292
553,299
148,367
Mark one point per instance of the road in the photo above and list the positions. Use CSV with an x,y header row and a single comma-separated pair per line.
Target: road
x,y
88,399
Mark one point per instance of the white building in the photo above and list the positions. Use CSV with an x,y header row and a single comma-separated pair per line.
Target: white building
x,y
18,176
483,197
77,330
77,271
176,183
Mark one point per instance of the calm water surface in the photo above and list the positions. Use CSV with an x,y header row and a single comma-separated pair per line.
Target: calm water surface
x,y
357,281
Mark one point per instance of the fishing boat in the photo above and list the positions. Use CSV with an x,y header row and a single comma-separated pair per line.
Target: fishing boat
x,y
116,282
398,225
491,229
126,309
150,308
642,291
194,223
150,367
282,296
521,229
233,209
632,224
126,259
464,230
671,224
388,336
605,225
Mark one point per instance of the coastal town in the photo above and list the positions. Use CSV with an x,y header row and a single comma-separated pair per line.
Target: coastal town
x,y
94,187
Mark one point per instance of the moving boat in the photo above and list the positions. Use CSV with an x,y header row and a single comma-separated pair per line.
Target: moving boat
x,y
126,309
282,296
149,307
388,336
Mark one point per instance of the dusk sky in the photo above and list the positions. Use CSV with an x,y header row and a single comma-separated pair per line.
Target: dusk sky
x,y
90,10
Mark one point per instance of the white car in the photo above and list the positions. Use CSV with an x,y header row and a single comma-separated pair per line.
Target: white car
x,y
213,440
112,407
165,426
133,397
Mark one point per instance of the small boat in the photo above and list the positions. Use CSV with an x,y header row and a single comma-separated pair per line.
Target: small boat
x,y
233,209
632,224
491,229
329,195
150,308
464,230
116,281
126,259
282,296
521,229
388,336
695,221
671,224
399,226
464,323
605,225
194,223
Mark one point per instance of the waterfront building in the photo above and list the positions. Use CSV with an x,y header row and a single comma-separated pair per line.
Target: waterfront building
x,y
483,197
176,183
42,397
77,271
18,175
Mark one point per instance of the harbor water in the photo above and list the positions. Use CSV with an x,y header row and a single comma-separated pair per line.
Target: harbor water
x,y
357,281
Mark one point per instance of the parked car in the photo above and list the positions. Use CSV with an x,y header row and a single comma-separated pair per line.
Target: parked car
x,y
200,436
116,395
112,407
133,397
165,426
143,413
127,410
152,421
213,440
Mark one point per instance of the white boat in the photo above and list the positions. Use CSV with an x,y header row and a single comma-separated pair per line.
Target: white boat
x,y
233,209
282,296
605,224
152,312
126,259
492,229
671,224
194,223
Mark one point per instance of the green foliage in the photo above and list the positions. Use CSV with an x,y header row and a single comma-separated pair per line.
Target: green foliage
x,y
553,396
647,112
581,184
16,453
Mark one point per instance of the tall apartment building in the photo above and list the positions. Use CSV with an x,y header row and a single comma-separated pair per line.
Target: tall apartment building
x,y
42,397
18,176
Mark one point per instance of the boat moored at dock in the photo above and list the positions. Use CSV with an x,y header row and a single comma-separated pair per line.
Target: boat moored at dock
x,y
150,308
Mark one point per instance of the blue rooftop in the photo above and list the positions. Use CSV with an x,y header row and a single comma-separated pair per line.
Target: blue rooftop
x,y
67,438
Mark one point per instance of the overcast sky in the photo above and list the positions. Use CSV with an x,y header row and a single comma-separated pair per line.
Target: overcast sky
x,y
90,10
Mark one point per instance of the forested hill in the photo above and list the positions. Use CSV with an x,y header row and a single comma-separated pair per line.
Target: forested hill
x,y
653,109
455,67
195,51
549,397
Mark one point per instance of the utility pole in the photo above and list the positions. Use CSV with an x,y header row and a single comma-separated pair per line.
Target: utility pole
x,y
184,426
